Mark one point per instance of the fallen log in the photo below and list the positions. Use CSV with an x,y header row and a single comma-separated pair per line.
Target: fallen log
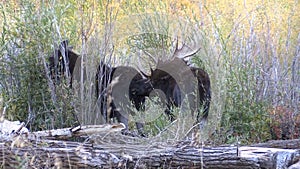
x,y
22,151
77,131
285,144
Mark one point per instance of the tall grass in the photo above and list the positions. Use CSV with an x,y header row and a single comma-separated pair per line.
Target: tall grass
x,y
28,33
253,66
260,75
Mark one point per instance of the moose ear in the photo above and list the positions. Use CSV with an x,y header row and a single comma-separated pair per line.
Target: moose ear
x,y
65,42
64,45
151,71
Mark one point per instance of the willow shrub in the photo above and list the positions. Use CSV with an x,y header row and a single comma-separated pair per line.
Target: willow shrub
x,y
27,35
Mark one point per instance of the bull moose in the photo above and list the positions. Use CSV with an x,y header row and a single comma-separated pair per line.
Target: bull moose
x,y
161,79
62,63
109,79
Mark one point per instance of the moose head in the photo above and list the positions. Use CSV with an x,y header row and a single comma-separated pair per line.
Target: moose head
x,y
173,75
62,62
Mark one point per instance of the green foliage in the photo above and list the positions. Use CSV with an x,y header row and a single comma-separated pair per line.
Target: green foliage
x,y
26,39
244,117
149,41
250,52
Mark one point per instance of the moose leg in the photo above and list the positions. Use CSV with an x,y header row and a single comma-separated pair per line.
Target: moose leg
x,y
140,128
121,119
114,113
202,116
169,114
124,120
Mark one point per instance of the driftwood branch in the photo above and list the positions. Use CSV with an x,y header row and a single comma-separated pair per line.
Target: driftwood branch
x,y
104,149
78,131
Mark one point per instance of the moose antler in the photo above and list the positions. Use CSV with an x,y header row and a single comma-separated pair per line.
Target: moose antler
x,y
155,60
151,57
185,51
141,70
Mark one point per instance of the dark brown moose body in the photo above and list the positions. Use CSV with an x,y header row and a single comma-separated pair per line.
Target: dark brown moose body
x,y
62,64
114,86
166,82
178,80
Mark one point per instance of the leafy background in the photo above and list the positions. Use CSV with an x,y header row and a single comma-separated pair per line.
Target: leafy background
x,y
251,51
